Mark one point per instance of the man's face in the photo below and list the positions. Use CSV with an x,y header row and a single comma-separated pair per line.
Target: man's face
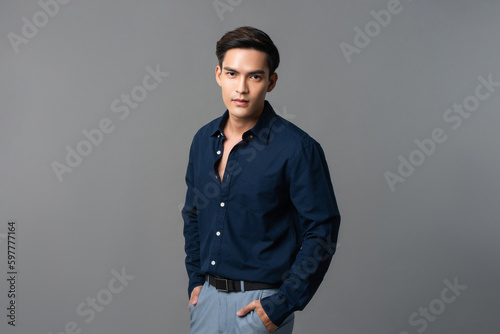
x,y
244,78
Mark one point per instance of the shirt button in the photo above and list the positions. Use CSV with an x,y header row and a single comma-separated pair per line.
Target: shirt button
x,y
251,136
212,263
222,204
218,233
219,152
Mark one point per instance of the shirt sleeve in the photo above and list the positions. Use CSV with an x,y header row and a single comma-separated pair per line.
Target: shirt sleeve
x,y
311,193
191,232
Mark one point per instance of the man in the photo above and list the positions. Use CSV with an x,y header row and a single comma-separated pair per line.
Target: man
x,y
260,218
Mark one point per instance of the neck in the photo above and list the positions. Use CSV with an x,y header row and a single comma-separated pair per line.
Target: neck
x,y
237,126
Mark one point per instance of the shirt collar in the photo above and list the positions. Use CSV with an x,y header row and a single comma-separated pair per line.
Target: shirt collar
x,y
261,129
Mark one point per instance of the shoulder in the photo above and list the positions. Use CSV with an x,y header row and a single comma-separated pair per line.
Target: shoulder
x,y
292,134
297,144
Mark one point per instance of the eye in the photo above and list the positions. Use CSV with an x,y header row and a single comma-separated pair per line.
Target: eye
x,y
230,74
256,77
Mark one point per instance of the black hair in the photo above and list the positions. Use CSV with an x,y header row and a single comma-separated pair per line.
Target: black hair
x,y
249,38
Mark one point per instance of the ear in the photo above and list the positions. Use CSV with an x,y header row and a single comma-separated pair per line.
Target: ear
x,y
218,72
272,82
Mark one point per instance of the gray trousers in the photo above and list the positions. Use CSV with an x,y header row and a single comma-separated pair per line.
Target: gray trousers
x,y
215,313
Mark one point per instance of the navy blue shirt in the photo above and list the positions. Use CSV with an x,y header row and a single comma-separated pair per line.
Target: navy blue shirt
x,y
272,219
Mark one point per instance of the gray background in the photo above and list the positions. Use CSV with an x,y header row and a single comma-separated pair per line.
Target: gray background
x,y
121,206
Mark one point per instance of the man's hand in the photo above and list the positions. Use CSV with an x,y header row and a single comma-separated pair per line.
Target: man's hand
x,y
257,307
194,295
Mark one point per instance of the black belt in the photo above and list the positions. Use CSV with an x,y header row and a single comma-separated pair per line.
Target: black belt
x,y
229,285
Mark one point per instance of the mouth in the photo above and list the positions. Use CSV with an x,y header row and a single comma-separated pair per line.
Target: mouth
x,y
240,102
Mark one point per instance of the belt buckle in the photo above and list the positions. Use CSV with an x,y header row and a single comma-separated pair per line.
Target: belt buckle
x,y
220,283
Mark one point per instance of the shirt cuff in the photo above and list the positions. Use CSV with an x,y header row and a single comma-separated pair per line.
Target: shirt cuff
x,y
194,282
276,308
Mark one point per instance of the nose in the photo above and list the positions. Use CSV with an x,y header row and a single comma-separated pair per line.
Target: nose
x,y
242,87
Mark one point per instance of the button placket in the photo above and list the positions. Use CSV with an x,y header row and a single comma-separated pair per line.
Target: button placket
x,y
218,151
223,205
219,221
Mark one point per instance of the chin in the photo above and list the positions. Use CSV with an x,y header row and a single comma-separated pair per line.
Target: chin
x,y
242,112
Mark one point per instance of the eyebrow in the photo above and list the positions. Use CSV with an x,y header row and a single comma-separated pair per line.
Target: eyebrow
x,y
229,69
